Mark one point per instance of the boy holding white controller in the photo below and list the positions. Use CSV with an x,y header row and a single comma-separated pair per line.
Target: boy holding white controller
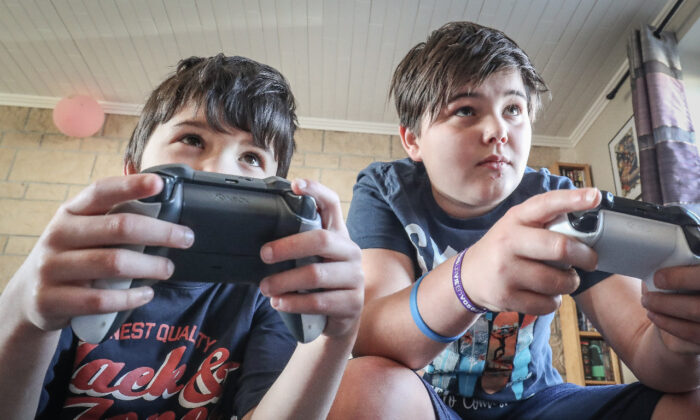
x,y
189,349
455,252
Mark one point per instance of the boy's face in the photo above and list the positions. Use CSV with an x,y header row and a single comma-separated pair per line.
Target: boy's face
x,y
476,150
188,138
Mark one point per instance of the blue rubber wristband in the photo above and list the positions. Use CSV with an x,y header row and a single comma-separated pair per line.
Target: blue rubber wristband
x,y
422,326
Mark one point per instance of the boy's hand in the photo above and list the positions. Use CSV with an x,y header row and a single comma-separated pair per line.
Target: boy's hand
x,y
677,315
80,245
339,274
505,270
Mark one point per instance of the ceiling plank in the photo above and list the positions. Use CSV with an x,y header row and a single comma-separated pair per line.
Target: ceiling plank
x,y
119,57
343,51
585,90
21,45
316,55
209,29
383,109
371,104
358,58
330,45
300,49
403,40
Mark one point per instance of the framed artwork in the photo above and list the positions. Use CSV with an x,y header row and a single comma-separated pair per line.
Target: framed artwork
x,y
624,155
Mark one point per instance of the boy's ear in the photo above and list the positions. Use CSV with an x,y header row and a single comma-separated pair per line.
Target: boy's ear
x,y
410,144
129,168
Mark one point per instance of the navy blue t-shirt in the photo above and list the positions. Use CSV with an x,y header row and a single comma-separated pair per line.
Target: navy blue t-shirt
x,y
197,350
503,357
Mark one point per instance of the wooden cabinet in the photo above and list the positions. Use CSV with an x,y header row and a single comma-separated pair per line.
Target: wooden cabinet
x,y
584,369
588,360
579,173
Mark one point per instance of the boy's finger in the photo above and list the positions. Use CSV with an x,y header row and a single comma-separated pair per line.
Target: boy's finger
x,y
121,228
678,278
333,303
543,208
102,195
528,302
680,328
677,305
323,243
71,301
328,275
108,263
542,279
545,246
327,202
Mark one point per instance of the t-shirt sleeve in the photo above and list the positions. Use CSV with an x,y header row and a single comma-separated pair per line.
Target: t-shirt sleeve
x,y
269,347
371,221
589,279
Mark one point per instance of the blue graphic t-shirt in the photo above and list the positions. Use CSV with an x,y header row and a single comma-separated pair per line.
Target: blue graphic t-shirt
x,y
197,350
503,356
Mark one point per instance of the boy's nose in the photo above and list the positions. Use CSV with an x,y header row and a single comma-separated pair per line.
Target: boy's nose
x,y
495,132
219,163
500,138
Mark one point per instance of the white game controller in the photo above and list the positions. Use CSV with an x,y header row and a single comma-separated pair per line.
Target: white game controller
x,y
634,238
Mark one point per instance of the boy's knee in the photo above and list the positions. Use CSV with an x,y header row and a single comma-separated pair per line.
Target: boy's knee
x,y
376,372
376,387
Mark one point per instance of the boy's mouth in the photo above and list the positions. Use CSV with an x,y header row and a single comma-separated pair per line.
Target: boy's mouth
x,y
494,162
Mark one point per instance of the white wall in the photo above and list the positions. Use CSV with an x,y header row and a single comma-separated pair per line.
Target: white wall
x,y
593,146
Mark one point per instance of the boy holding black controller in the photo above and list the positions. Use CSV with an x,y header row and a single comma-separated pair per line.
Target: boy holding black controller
x,y
459,263
189,349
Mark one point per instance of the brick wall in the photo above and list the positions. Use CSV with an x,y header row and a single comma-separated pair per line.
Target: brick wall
x,y
40,168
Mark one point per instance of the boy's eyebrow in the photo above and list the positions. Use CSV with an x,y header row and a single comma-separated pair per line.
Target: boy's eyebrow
x,y
205,126
472,94
195,123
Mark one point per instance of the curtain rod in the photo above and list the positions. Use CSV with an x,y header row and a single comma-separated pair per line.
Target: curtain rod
x,y
658,30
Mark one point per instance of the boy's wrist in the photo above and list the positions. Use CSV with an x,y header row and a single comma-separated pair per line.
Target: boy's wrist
x,y
458,287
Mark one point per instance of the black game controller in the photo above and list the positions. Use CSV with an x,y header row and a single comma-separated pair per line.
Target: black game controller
x,y
232,217
635,238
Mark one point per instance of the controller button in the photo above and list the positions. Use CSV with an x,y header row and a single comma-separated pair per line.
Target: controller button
x,y
308,209
165,193
277,183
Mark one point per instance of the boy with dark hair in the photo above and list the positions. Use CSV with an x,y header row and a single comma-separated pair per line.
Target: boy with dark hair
x,y
189,349
454,251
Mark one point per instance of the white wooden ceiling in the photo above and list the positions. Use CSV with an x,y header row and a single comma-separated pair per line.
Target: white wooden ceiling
x,y
338,55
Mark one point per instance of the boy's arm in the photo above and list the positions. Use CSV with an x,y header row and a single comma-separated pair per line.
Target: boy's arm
x,y
53,283
308,384
667,360
387,328
501,272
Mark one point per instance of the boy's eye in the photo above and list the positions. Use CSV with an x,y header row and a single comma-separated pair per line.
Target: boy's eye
x,y
251,159
513,110
192,140
465,111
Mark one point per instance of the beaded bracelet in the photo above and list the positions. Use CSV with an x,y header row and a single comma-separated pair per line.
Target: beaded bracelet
x,y
422,326
459,289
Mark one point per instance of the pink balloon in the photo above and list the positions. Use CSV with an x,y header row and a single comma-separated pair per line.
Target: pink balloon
x,y
78,116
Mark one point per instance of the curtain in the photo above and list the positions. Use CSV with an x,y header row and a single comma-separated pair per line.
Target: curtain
x,y
668,156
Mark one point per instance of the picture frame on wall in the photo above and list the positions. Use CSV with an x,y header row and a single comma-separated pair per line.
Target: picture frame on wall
x,y
624,156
